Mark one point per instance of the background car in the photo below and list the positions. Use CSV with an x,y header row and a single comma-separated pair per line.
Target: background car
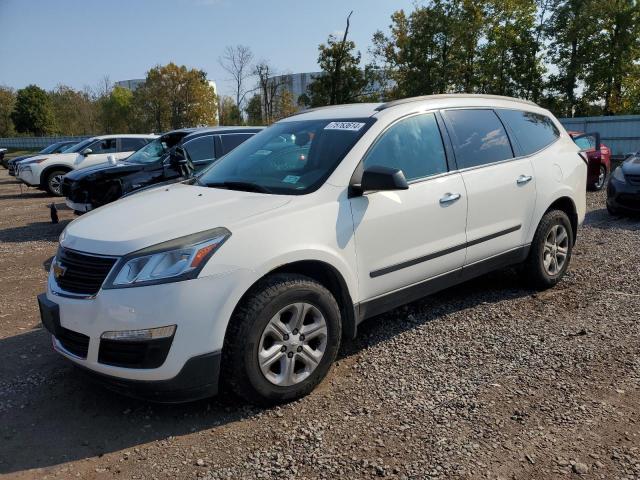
x,y
89,188
46,171
2,152
599,156
623,190
57,147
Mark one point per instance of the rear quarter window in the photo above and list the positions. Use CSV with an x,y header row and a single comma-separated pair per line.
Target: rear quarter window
x,y
533,131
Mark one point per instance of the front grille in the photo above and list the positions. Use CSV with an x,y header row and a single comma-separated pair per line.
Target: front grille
x,y
632,179
134,354
73,342
83,274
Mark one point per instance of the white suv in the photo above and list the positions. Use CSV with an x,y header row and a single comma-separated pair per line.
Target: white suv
x,y
46,171
253,272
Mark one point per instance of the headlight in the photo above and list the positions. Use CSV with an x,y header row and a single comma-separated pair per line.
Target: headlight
x,y
173,261
619,175
31,162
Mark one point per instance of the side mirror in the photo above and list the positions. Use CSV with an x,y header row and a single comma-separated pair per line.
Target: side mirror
x,y
87,151
379,178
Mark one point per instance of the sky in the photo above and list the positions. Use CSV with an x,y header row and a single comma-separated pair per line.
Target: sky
x,y
78,42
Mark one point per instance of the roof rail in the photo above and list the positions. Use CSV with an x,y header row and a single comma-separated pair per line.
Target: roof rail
x,y
402,101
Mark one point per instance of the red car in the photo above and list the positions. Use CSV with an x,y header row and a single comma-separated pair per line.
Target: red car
x,y
599,156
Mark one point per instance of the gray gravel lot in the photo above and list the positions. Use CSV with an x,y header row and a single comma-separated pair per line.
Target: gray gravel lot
x,y
486,380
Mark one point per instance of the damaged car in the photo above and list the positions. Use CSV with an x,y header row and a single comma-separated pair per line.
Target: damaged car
x,y
158,162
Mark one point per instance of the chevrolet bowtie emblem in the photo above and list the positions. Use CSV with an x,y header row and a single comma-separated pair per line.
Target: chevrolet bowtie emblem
x,y
58,270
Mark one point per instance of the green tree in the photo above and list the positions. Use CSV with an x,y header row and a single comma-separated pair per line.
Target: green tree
x,y
254,110
7,103
33,113
173,97
617,42
75,112
285,105
229,113
342,80
116,110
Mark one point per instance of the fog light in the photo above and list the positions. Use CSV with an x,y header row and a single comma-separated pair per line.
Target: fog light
x,y
145,334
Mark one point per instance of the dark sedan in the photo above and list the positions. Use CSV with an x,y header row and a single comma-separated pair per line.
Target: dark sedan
x,y
53,148
623,190
88,188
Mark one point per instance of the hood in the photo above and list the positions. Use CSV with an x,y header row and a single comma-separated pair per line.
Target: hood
x,y
20,158
632,165
104,170
163,214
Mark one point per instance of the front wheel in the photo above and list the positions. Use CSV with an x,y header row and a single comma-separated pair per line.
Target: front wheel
x,y
282,340
54,182
550,251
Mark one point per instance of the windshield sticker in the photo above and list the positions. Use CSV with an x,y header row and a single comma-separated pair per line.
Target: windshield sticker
x,y
350,126
290,179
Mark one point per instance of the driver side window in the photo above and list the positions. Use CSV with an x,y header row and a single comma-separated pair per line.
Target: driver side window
x,y
103,146
414,145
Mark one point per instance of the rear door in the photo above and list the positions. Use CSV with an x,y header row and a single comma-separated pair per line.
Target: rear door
x,y
500,187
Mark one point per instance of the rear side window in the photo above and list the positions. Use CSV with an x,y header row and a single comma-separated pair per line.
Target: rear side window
x,y
200,148
533,131
132,144
231,141
414,145
478,137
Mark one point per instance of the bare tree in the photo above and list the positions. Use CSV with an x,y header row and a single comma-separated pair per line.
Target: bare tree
x,y
237,62
336,75
269,87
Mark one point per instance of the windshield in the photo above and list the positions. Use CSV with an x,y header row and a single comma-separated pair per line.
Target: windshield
x,y
290,158
155,150
78,147
51,148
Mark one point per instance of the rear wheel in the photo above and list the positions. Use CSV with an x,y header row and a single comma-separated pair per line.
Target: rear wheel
x,y
550,251
601,180
53,182
282,340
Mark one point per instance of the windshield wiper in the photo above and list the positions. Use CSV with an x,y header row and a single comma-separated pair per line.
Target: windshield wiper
x,y
243,186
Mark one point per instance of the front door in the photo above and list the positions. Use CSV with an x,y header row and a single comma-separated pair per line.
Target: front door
x,y
404,237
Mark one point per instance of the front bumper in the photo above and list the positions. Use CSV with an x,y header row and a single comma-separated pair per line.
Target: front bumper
x,y
26,175
78,207
623,196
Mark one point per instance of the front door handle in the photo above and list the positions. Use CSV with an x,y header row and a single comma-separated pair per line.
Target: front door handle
x,y
523,179
449,198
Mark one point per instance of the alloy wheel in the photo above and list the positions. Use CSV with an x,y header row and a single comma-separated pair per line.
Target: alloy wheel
x,y
601,177
292,344
55,184
556,249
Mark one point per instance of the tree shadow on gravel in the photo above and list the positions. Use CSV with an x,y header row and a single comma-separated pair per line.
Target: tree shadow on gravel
x,y
33,232
27,194
49,406
603,220
52,415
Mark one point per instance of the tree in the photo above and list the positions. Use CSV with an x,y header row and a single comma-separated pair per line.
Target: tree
x,y
174,97
254,110
229,113
33,113
285,105
75,112
116,110
7,103
342,80
237,62
269,85
618,42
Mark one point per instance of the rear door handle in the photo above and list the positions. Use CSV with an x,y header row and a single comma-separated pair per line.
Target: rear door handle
x,y
522,179
449,198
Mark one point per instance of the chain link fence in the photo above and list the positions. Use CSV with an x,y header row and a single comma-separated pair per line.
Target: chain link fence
x,y
35,143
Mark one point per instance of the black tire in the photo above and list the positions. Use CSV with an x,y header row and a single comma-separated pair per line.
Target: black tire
x,y
613,211
597,186
533,269
240,367
53,182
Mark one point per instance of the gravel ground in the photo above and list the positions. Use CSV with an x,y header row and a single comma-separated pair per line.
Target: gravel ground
x,y
486,380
